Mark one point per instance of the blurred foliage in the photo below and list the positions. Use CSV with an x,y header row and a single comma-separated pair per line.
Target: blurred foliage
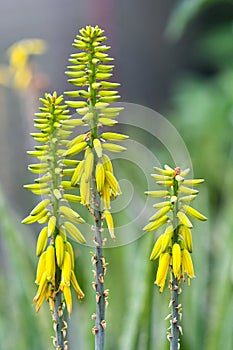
x,y
183,13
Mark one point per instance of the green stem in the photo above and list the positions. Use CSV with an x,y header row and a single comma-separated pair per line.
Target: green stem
x,y
174,343
100,270
59,324
58,315
100,298
175,315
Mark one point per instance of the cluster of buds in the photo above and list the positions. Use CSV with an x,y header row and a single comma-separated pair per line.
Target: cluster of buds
x,y
90,72
174,246
55,271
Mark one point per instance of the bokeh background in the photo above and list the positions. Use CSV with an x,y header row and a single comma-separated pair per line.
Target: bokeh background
x,y
175,57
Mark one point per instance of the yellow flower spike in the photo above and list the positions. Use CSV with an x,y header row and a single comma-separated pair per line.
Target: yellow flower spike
x,y
184,219
113,183
88,168
51,225
107,163
42,241
110,223
68,299
99,176
50,263
187,263
97,147
66,268
78,173
41,268
74,232
163,211
60,250
194,213
76,286
69,249
157,249
176,259
156,224
164,262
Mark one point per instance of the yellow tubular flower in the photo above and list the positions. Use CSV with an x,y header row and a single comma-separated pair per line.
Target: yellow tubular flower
x,y
89,163
84,190
176,259
156,224
68,298
113,183
107,163
99,176
42,241
41,268
157,249
110,224
76,285
97,147
187,238
51,225
161,275
106,195
184,220
60,249
187,263
74,232
194,213
66,269
69,249
50,263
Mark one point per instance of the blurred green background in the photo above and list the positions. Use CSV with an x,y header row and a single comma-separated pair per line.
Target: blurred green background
x,y
175,57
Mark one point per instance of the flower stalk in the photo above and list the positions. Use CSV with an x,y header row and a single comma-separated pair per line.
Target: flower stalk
x,y
90,72
55,271
174,246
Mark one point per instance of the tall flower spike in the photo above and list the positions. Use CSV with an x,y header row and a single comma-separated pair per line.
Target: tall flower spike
x,y
89,72
174,246
55,272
